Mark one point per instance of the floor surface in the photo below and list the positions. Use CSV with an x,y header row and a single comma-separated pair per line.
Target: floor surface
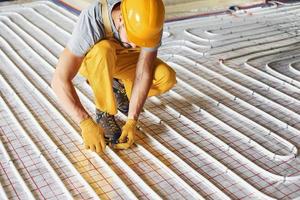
x,y
183,8
230,129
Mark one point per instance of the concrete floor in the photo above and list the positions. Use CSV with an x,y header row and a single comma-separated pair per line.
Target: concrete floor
x,y
183,8
230,129
174,8
5,3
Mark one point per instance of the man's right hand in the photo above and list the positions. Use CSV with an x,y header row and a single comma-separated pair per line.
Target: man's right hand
x,y
93,135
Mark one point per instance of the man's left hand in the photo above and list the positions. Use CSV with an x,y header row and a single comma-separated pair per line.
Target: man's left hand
x,y
127,137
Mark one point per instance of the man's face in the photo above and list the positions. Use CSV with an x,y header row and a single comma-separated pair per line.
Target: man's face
x,y
123,35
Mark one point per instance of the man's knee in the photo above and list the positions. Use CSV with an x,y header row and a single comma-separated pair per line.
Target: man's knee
x,y
171,78
165,76
101,51
103,48
101,56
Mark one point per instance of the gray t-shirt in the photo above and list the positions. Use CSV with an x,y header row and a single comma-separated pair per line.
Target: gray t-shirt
x,y
89,29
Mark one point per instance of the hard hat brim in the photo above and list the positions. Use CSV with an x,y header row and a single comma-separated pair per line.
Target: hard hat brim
x,y
144,42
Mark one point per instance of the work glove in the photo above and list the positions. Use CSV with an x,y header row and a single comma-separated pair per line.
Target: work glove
x,y
127,137
93,135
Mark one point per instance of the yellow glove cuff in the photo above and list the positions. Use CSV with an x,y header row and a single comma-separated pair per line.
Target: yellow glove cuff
x,y
131,122
86,123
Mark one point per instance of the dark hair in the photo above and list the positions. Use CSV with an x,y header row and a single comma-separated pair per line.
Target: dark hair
x,y
117,5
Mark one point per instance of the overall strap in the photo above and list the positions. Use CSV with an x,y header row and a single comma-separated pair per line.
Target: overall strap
x,y
106,21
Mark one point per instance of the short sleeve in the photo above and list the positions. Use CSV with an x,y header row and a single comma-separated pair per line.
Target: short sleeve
x,y
88,30
151,49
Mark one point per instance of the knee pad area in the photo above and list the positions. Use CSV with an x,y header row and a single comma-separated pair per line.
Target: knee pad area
x,y
165,74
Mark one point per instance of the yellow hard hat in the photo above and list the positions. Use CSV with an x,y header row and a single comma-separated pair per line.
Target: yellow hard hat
x,y
144,20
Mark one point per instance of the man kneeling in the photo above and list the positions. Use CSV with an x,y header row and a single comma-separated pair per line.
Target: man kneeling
x,y
114,46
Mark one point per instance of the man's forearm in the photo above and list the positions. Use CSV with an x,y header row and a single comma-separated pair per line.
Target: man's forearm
x,y
69,100
139,95
66,69
142,84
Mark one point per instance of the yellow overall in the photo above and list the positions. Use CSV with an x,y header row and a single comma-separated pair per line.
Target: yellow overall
x,y
107,60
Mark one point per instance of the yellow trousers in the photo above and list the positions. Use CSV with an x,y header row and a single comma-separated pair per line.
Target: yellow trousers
x,y
108,60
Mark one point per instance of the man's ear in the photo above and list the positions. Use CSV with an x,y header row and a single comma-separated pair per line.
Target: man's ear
x,y
121,18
